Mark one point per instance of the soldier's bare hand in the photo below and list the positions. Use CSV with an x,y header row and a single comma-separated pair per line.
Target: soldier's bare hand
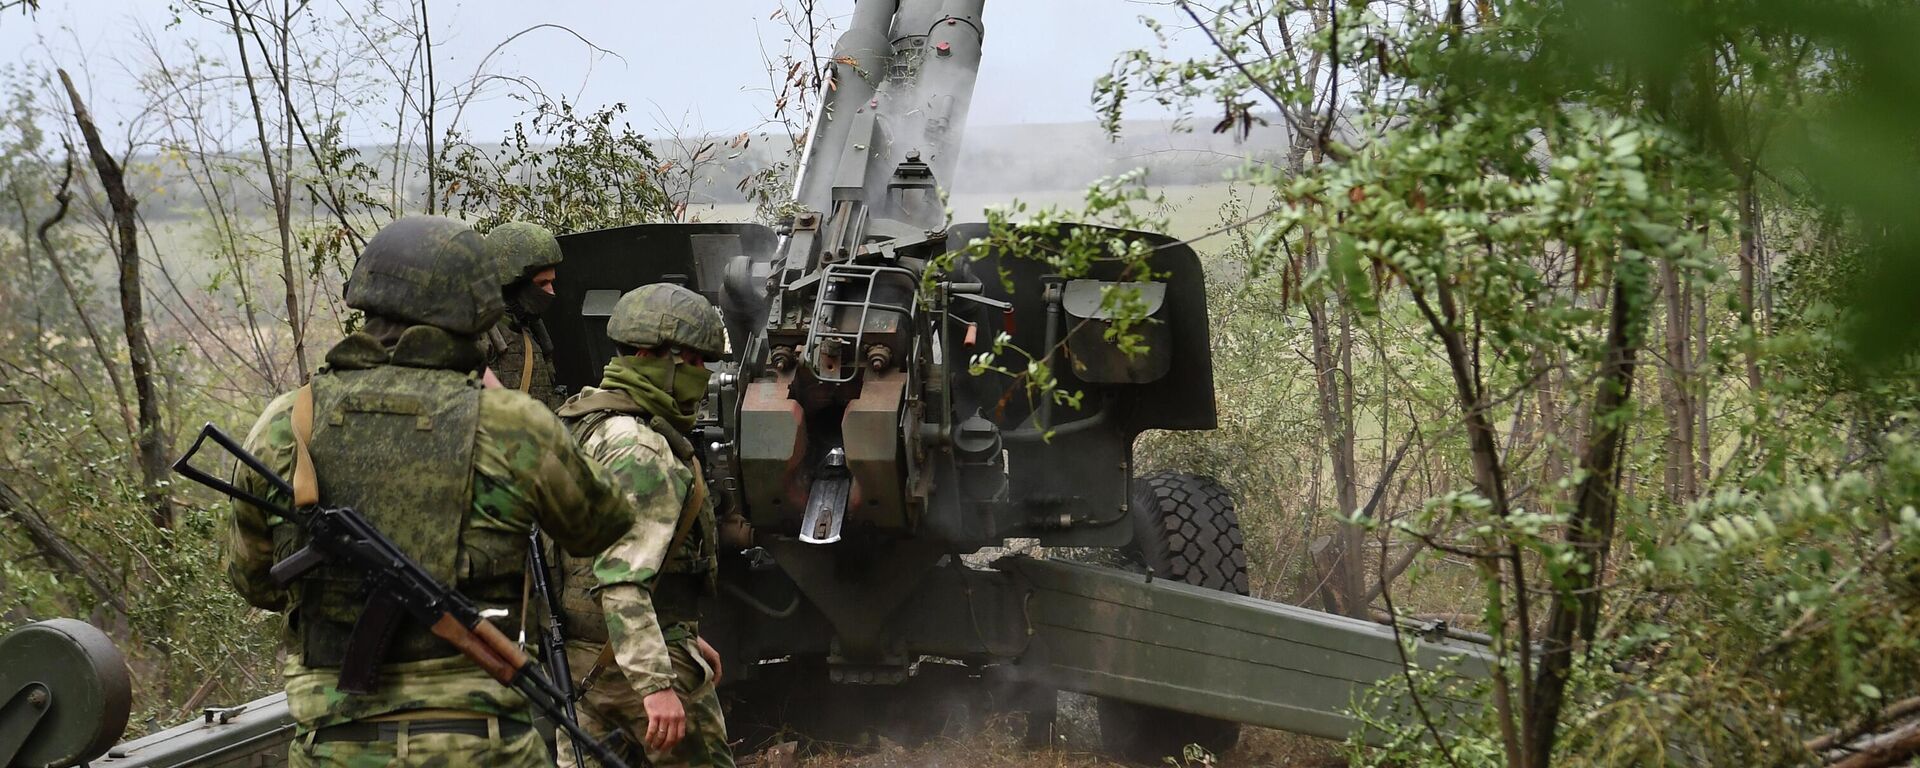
x,y
712,656
490,381
666,720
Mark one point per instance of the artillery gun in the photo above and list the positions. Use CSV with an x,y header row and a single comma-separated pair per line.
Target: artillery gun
x,y
845,428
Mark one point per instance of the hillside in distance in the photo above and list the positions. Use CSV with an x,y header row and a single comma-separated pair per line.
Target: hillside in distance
x,y
998,162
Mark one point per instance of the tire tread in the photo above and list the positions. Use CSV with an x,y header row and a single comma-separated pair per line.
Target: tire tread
x,y
1186,526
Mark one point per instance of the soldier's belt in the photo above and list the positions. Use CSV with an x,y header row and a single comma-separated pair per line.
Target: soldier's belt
x,y
390,729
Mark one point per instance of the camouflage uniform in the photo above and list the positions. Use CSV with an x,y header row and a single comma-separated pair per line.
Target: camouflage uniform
x,y
508,346
641,595
519,250
480,468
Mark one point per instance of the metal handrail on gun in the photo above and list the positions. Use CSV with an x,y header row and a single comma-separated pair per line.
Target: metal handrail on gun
x,y
822,317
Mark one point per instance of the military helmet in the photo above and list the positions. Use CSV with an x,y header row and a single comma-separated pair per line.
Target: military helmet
x,y
520,246
428,270
664,314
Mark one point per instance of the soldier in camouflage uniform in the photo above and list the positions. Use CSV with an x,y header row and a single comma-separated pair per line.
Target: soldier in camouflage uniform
x,y
397,426
632,615
519,351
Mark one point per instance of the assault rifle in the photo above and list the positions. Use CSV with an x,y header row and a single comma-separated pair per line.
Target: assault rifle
x,y
553,641
397,588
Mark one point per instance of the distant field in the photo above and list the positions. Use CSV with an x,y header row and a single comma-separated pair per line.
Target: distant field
x,y
1192,209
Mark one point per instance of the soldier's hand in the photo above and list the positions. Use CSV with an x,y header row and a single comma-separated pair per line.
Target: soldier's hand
x,y
666,719
712,656
489,381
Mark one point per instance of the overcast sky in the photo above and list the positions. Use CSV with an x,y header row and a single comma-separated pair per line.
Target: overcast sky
x,y
681,64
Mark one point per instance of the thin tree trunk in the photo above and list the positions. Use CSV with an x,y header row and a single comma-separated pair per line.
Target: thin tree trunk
x,y
1896,748
426,113
1332,364
1749,262
1675,387
1575,610
301,326
207,185
333,200
1554,465
1489,477
126,246
100,350
280,182
1701,398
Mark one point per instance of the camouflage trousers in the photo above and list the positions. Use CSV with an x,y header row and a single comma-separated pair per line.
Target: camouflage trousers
x,y
428,750
612,705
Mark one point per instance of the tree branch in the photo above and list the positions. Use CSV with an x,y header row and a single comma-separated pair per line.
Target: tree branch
x,y
55,547
126,246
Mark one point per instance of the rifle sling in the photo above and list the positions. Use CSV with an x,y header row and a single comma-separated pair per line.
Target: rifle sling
x,y
690,512
600,665
526,365
306,485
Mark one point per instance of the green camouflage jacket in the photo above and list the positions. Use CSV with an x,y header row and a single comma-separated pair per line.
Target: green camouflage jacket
x,y
526,469
656,484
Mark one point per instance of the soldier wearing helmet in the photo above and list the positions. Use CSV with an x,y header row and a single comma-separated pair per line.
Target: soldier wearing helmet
x,y
632,615
519,351
397,426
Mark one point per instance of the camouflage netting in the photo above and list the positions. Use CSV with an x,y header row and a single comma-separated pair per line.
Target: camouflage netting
x,y
664,314
428,270
518,247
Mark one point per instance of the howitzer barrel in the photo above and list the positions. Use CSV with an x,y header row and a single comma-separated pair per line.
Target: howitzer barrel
x,y
944,91
909,64
860,59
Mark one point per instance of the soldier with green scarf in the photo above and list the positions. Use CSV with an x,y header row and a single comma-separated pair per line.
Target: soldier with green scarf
x,y
632,614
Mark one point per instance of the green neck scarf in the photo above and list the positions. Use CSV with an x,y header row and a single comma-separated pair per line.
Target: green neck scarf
x,y
664,386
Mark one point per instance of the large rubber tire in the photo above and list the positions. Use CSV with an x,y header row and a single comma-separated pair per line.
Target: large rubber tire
x,y
1185,528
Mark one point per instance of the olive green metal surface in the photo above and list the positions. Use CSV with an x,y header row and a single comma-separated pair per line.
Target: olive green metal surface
x,y
254,733
64,694
1091,630
1121,635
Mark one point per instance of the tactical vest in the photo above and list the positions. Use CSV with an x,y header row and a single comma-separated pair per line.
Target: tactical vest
x,y
395,443
688,572
517,360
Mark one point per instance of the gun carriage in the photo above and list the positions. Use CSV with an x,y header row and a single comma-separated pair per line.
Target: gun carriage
x,y
846,429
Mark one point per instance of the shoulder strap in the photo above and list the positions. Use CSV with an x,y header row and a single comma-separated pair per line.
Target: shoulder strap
x,y
583,427
600,400
526,365
306,486
690,512
676,441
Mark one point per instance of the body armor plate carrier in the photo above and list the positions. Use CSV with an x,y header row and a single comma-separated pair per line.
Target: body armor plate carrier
x,y
396,444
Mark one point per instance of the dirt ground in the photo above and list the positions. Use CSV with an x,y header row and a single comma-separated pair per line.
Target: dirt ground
x,y
998,745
